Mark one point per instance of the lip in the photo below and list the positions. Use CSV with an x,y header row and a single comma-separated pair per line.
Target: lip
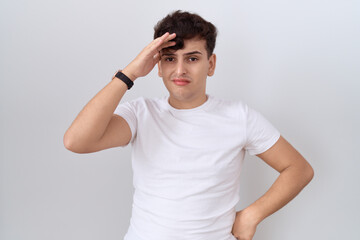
x,y
181,81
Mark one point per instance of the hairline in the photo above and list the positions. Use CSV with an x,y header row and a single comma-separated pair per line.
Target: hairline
x,y
196,38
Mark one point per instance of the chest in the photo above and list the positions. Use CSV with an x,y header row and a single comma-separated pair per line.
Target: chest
x,y
193,143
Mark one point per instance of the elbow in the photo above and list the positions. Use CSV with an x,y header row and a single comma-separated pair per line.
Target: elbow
x,y
69,143
311,174
308,173
303,171
76,145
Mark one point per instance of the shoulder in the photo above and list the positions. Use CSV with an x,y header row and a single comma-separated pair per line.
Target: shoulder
x,y
145,103
228,102
141,101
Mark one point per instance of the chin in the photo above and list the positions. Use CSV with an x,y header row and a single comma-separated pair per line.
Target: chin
x,y
181,96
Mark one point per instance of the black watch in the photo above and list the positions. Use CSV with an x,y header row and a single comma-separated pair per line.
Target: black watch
x,y
124,78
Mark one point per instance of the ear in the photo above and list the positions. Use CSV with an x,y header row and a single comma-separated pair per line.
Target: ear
x,y
159,69
212,65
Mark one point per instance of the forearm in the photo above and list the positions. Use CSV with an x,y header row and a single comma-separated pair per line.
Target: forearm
x,y
289,184
90,124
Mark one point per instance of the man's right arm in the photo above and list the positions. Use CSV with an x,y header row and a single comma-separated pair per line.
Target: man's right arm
x,y
97,127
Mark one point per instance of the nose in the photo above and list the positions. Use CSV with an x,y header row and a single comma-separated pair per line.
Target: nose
x,y
180,68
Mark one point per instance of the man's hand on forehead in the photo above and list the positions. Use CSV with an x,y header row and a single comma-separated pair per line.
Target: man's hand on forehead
x,y
149,56
163,42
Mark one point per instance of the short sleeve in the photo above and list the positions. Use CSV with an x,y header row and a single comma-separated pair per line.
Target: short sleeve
x,y
260,133
128,112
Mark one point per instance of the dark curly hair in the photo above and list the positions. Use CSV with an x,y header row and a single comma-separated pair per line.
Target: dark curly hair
x,y
187,26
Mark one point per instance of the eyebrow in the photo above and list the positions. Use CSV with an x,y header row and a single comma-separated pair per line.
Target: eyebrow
x,y
189,53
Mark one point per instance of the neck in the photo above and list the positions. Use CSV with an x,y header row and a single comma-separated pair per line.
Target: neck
x,y
187,104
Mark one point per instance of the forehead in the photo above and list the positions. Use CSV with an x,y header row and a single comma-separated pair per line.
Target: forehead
x,y
190,45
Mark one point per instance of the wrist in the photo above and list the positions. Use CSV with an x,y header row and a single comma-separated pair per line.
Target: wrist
x,y
123,78
129,74
252,215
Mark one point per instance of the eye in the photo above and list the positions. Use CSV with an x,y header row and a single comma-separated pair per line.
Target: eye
x,y
193,59
169,59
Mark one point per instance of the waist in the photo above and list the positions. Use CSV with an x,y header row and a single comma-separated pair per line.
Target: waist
x,y
149,225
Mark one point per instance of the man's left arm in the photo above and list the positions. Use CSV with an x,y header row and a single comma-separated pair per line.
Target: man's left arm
x,y
295,174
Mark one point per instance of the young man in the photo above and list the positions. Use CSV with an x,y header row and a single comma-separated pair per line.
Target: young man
x,y
188,147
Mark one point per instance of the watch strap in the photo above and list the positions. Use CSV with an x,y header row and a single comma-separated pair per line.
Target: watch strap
x,y
125,79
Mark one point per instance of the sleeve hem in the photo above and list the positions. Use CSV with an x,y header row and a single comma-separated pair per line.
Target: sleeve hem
x,y
132,128
267,146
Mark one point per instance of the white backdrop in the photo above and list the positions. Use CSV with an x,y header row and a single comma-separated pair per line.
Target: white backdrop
x,y
297,62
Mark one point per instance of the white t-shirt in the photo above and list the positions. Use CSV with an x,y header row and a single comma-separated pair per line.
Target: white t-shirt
x,y
186,165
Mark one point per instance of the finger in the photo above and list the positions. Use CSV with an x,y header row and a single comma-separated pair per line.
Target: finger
x,y
162,42
157,42
162,38
166,37
170,37
167,44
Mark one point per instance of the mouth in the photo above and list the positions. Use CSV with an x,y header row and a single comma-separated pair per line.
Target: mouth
x,y
181,81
